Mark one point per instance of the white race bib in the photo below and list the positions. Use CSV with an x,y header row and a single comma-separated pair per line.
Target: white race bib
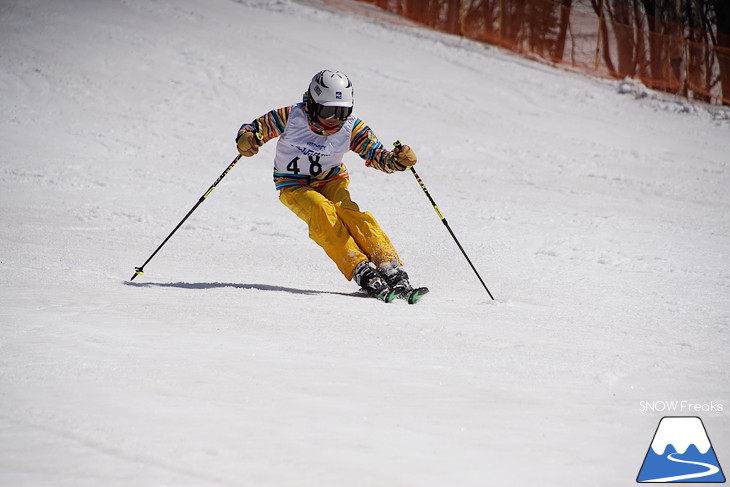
x,y
301,152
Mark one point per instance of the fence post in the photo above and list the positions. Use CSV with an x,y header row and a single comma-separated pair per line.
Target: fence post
x,y
501,23
685,84
599,34
462,16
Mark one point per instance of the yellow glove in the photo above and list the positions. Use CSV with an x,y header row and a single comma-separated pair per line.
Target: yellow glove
x,y
248,143
404,156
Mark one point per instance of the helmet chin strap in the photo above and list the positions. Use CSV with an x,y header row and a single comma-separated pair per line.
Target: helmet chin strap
x,y
318,126
326,123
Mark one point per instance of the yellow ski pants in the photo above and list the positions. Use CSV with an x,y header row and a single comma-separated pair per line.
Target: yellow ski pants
x,y
336,224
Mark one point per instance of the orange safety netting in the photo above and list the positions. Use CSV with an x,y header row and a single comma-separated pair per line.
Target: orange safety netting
x,y
605,37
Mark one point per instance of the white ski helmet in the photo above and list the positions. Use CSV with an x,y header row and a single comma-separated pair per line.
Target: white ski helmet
x,y
330,95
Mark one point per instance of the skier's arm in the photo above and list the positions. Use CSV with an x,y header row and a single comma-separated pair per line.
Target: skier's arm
x,y
364,142
263,129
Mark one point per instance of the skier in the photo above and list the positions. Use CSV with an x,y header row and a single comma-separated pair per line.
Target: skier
x,y
313,182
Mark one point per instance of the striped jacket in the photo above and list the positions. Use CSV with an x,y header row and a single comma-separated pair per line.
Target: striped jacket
x,y
362,141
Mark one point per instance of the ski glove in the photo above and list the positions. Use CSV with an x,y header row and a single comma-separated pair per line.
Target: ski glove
x,y
248,143
404,156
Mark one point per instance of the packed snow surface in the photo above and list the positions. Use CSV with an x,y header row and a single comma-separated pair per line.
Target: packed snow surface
x,y
598,215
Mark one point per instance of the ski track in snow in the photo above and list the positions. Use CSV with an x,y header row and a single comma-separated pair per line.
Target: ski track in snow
x,y
599,221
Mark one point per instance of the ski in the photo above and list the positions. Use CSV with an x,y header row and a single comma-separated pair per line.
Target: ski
x,y
413,295
386,295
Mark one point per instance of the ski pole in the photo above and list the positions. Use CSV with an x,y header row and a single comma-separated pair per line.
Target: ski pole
x,y
446,224
140,270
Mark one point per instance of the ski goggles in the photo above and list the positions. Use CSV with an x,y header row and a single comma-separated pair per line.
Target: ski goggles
x,y
340,113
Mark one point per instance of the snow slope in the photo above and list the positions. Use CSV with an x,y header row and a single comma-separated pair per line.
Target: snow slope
x,y
598,220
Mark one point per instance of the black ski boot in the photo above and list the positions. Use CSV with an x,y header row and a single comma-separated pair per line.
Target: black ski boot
x,y
397,279
368,278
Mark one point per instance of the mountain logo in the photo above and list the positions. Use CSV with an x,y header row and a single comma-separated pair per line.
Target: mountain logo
x,y
681,452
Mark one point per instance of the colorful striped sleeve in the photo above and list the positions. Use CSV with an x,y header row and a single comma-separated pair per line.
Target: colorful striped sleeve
x,y
364,142
270,125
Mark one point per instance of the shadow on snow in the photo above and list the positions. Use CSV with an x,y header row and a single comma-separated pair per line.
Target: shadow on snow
x,y
259,287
